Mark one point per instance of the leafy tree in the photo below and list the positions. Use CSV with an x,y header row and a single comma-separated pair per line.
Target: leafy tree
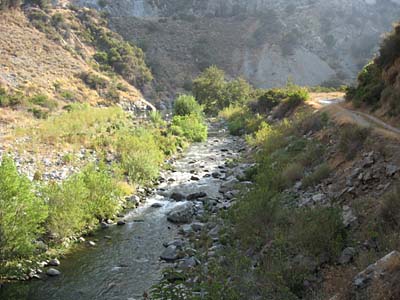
x,y
238,91
209,89
22,213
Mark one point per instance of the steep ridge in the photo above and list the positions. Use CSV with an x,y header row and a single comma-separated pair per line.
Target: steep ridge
x,y
313,42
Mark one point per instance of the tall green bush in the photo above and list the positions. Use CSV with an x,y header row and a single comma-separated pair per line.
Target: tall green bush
x,y
22,213
185,105
81,200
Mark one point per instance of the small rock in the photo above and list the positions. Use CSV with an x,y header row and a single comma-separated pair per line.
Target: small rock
x,y
54,262
81,239
187,263
121,223
91,243
197,226
195,178
348,216
216,175
156,205
347,255
104,225
53,272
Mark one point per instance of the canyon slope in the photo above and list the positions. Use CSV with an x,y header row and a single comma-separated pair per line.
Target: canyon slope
x,y
313,42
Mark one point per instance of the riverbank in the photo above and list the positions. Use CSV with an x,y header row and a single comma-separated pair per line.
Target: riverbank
x,y
126,259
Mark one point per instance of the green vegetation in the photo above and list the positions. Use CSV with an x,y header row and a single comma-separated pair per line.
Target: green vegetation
x,y
188,120
289,242
215,93
10,99
81,200
22,213
376,87
115,53
352,139
54,211
186,105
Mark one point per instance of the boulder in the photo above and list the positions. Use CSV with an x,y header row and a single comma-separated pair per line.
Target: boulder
x,y
182,213
347,255
156,205
53,272
195,178
391,170
170,254
228,186
348,216
177,196
378,270
197,226
54,262
195,196
187,263
121,223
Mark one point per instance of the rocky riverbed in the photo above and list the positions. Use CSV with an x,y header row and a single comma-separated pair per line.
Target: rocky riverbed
x,y
123,262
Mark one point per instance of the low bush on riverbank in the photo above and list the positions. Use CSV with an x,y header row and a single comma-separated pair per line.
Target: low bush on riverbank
x,y
188,121
22,213
81,200
248,117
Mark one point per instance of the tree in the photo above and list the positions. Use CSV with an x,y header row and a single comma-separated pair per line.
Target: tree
x,y
238,91
210,89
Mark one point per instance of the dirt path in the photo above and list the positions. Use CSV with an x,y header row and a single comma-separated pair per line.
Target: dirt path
x,y
333,104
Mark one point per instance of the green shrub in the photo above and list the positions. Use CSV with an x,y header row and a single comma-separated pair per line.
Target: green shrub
x,y
80,201
320,173
191,127
10,99
39,113
44,101
293,172
352,139
319,232
94,81
390,48
186,105
156,118
22,213
139,155
390,209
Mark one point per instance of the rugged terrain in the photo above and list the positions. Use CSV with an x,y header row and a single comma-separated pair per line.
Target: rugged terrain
x,y
313,42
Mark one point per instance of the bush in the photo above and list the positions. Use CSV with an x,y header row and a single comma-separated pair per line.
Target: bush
x,y
319,232
139,155
293,172
390,209
191,127
319,174
44,101
10,99
186,105
94,81
352,139
22,213
81,200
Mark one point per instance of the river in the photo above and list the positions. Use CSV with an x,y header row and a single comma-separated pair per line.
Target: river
x,y
125,262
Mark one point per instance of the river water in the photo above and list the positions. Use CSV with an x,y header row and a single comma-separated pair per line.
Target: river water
x,y
126,265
